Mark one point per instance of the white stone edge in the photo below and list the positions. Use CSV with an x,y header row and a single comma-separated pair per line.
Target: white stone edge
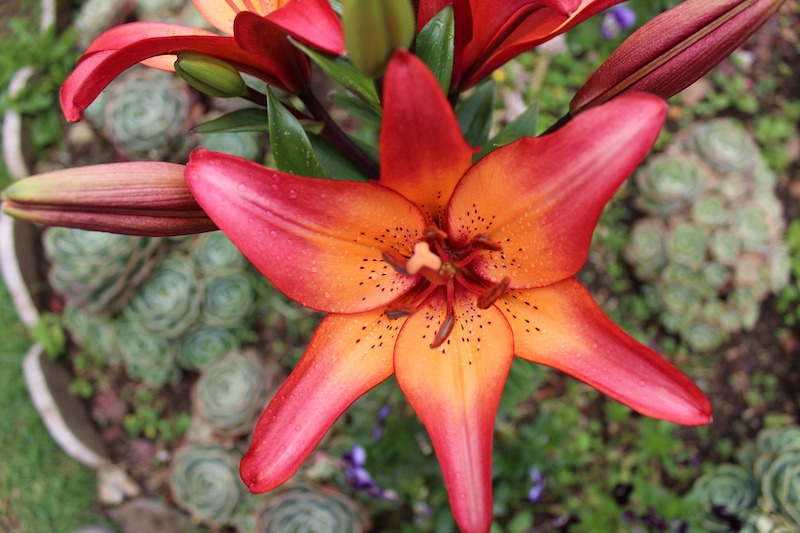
x,y
9,265
51,414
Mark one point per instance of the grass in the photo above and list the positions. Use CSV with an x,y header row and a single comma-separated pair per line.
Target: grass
x,y
41,488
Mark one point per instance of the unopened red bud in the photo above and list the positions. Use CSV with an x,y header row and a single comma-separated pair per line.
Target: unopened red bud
x,y
675,49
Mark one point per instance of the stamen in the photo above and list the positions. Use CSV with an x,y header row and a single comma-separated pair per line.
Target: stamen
x,y
423,258
397,261
400,311
432,233
483,241
444,331
491,295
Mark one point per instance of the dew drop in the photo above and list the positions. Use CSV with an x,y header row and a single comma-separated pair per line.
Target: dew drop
x,y
292,193
313,269
594,346
298,427
273,233
642,383
242,187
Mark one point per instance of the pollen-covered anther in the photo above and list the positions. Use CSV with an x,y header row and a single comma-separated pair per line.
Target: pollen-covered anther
x,y
434,234
444,331
483,241
397,261
423,257
490,296
399,311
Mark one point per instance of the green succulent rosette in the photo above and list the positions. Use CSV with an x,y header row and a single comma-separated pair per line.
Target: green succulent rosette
x,y
687,245
780,486
725,145
145,114
729,487
228,298
204,480
169,302
245,144
229,394
645,249
98,336
204,344
304,509
711,211
98,271
214,251
668,183
146,356
754,229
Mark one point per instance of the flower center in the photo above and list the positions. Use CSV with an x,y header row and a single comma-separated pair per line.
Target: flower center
x,y
442,265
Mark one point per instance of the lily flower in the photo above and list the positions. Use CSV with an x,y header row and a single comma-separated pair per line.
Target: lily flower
x,y
490,33
440,273
259,45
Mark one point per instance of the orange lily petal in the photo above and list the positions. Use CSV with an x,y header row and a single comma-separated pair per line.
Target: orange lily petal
x,y
319,241
562,327
348,355
423,154
220,13
540,198
133,32
455,390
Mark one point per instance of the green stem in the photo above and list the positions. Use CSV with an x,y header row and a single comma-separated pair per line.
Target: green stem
x,y
337,137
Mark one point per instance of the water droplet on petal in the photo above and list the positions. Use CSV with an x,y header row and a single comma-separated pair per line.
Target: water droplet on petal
x,y
273,233
242,187
298,427
293,194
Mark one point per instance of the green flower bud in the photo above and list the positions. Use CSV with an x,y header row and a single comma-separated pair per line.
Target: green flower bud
x,y
210,75
374,29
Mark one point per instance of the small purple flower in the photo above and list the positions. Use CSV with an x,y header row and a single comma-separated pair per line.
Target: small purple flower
x,y
358,477
615,20
377,431
539,483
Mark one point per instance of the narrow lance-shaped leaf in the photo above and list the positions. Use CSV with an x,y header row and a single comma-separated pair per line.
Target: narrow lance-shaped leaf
x,y
345,74
475,114
335,165
290,145
522,126
436,46
248,119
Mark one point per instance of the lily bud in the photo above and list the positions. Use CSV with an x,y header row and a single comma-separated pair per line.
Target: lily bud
x,y
675,49
138,198
374,29
210,75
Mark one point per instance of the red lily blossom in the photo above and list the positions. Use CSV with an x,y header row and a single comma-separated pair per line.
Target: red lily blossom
x,y
440,273
490,33
259,45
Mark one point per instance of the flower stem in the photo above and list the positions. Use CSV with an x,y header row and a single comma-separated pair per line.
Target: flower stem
x,y
339,138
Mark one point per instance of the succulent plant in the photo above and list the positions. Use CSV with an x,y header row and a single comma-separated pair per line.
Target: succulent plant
x,y
303,509
213,251
246,144
228,298
728,490
96,16
204,480
203,345
145,112
146,356
98,271
763,492
712,243
230,393
96,334
168,303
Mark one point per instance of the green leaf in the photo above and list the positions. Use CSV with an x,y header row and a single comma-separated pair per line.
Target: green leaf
x,y
248,119
523,126
290,145
335,165
357,108
345,74
475,114
435,46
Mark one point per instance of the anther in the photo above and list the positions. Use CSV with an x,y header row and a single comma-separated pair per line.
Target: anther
x,y
396,260
444,331
486,299
483,241
432,233
399,311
